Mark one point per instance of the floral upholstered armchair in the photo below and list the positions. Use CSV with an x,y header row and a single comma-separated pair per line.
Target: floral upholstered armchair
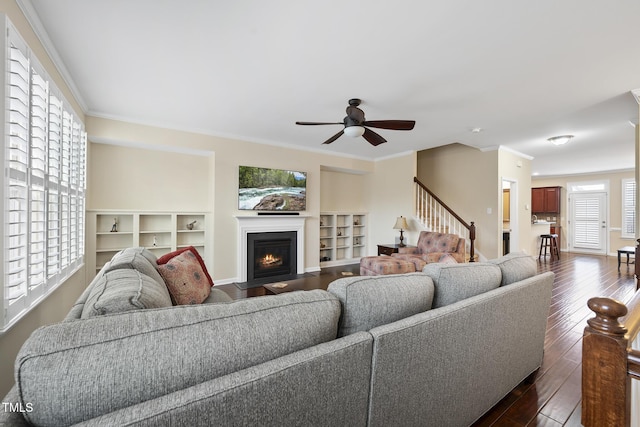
x,y
434,247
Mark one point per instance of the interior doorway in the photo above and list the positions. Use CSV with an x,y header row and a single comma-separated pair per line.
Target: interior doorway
x,y
510,235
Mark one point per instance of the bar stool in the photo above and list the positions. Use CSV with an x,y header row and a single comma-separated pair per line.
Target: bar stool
x,y
550,241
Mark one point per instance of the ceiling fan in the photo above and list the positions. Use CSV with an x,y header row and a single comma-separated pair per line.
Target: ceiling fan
x,y
354,125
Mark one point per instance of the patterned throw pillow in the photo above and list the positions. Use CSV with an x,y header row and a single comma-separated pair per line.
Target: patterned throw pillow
x,y
167,257
185,279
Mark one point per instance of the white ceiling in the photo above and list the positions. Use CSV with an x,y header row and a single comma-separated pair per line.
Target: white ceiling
x,y
521,71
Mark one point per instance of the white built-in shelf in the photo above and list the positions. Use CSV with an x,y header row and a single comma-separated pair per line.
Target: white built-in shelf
x,y
342,237
160,232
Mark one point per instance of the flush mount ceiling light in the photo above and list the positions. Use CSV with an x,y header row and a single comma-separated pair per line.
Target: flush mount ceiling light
x,y
560,140
354,131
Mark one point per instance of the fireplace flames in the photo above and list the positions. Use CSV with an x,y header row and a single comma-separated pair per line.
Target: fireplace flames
x,y
269,260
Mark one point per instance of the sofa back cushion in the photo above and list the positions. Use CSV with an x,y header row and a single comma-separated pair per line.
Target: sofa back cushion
x,y
139,259
515,267
454,282
123,290
370,301
111,362
430,241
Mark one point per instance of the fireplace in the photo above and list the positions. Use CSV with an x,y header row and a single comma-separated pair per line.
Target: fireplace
x,y
256,224
271,256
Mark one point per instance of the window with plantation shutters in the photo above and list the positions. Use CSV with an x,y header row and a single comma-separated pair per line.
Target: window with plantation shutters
x,y
628,208
43,184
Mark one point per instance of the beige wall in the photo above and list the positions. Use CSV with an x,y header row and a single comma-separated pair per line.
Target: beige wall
x,y
53,308
129,178
615,204
221,189
342,191
390,194
385,193
516,168
466,180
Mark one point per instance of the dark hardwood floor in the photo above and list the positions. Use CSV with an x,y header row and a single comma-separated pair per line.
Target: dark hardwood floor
x,y
552,397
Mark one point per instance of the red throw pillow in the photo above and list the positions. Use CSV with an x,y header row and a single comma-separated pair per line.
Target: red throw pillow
x,y
185,279
167,257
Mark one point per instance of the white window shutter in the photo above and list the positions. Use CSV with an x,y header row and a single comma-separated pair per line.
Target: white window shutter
x,y
17,215
37,187
628,208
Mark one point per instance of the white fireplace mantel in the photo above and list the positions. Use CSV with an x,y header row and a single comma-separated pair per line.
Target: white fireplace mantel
x,y
264,224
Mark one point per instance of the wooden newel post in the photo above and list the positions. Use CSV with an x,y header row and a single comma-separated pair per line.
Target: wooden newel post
x,y
472,239
606,387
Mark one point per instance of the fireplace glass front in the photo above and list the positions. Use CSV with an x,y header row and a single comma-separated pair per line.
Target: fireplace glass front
x,y
271,255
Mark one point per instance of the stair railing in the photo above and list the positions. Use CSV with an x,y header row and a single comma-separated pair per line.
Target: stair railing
x,y
435,215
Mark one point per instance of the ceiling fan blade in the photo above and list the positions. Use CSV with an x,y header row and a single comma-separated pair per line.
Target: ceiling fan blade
x,y
334,137
391,124
319,123
373,138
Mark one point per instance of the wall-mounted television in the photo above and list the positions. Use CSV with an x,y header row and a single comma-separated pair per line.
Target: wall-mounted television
x,y
263,189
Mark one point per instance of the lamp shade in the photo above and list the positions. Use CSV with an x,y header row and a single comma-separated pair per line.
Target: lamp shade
x,y
354,131
401,224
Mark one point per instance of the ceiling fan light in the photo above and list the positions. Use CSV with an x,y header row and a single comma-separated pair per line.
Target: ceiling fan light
x,y
354,131
560,140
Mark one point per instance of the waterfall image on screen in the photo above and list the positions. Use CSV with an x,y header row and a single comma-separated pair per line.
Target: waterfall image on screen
x,y
263,189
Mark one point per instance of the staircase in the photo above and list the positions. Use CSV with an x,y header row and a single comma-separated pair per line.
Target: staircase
x,y
435,215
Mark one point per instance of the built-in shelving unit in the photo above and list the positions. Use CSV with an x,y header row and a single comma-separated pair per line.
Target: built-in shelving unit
x,y
160,232
342,237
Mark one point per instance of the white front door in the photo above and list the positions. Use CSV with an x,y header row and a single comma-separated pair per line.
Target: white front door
x,y
588,222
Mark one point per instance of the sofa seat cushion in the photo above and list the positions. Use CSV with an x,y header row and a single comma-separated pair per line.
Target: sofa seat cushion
x,y
368,301
454,282
217,296
420,260
515,267
82,369
123,290
417,260
443,257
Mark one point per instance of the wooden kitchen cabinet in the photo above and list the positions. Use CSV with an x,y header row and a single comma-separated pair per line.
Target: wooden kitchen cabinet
x,y
545,200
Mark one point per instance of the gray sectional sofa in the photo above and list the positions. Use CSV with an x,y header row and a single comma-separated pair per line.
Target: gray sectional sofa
x,y
436,348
